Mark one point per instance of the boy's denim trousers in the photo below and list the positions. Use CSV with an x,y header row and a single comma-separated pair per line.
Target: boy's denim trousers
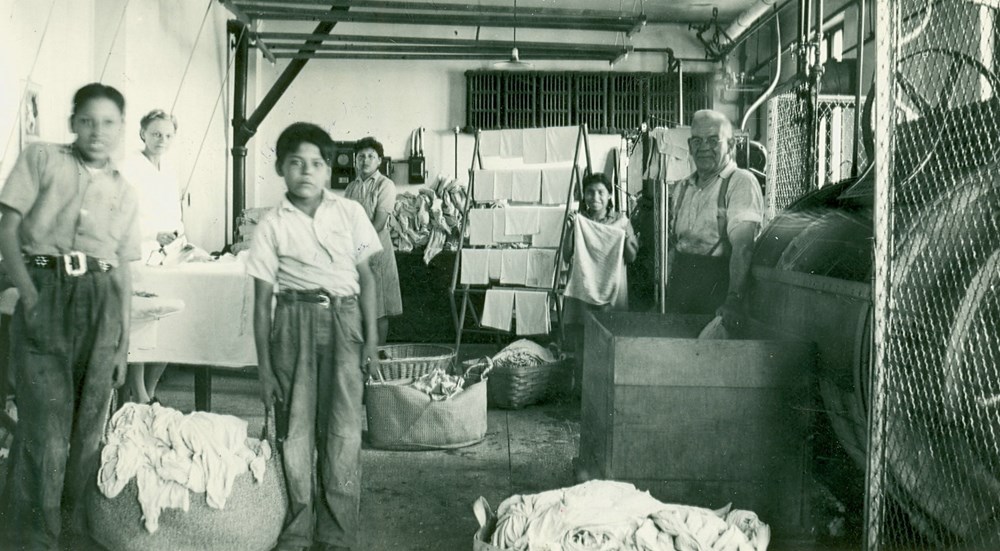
x,y
63,356
316,357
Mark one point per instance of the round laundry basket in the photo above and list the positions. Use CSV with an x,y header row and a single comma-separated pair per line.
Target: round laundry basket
x,y
409,361
251,520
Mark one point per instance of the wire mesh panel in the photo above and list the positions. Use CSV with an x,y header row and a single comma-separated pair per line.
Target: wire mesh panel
x,y
788,144
934,467
519,100
627,99
482,100
591,100
836,139
555,106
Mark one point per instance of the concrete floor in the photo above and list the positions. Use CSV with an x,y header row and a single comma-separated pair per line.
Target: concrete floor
x,y
416,501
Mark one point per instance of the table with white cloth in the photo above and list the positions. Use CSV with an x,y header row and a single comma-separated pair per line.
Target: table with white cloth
x,y
215,327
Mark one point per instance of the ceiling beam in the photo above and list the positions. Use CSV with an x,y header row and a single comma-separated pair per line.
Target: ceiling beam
x,y
430,6
612,24
274,37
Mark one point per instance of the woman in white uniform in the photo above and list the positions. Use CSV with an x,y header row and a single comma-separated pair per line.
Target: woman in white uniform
x,y
159,218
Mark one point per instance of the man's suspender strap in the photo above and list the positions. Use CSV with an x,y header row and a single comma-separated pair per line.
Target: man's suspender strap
x,y
720,216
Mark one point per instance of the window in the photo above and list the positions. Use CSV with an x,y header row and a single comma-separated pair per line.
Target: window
x,y
606,101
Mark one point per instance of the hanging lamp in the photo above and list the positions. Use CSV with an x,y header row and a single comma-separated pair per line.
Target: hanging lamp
x,y
515,58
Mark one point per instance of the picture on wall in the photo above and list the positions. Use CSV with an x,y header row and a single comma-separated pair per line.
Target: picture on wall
x,y
30,131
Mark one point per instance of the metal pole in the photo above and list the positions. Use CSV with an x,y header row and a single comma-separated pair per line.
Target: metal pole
x,y
859,89
456,130
239,150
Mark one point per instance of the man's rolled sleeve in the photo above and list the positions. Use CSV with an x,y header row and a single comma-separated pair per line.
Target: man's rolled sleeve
x,y
22,187
366,241
745,203
262,262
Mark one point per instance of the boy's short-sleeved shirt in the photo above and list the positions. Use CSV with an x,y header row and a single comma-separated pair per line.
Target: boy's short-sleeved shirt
x,y
66,206
292,250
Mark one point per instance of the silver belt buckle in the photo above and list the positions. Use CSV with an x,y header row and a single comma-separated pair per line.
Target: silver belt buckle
x,y
75,263
324,301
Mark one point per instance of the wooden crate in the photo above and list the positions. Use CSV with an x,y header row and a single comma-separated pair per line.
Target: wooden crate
x,y
699,422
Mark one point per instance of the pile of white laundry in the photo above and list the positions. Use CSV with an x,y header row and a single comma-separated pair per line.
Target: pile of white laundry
x,y
171,454
603,516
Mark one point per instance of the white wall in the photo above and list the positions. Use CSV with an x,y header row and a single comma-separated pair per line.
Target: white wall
x,y
56,66
388,99
145,59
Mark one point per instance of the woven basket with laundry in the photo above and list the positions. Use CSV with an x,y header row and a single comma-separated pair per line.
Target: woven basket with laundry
x,y
152,510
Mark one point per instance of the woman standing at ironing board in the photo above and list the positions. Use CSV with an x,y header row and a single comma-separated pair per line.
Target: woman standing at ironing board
x,y
159,219
377,194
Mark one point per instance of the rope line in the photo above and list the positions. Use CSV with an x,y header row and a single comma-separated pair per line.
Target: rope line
x,y
194,48
111,47
27,82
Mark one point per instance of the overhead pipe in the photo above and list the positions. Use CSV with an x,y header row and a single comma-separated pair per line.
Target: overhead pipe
x,y
774,82
427,6
859,89
616,24
438,57
409,48
275,38
746,19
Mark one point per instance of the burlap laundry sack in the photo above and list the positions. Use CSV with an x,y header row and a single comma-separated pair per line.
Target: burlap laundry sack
x,y
251,520
401,417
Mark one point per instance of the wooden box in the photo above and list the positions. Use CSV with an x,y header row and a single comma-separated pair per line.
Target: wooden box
x,y
699,422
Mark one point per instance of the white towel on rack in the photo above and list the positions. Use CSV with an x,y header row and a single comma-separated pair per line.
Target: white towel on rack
x,y
526,186
498,308
481,226
510,143
475,267
532,312
550,222
541,267
503,185
597,262
500,234
560,143
514,267
489,143
555,184
496,263
533,150
484,185
521,220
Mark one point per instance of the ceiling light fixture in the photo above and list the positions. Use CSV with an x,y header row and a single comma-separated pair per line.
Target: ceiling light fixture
x,y
515,58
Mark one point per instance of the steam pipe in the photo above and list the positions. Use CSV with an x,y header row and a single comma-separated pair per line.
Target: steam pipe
x,y
774,83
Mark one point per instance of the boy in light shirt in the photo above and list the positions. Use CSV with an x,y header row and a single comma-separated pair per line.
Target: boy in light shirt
x,y
313,354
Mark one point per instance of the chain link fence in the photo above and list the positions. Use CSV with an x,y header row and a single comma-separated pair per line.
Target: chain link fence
x,y
788,175
934,448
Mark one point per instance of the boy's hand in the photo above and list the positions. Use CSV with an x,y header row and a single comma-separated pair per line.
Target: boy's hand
x,y
121,364
268,387
369,360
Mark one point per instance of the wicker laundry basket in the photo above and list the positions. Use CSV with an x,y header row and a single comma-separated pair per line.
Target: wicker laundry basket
x,y
251,520
514,387
401,417
403,361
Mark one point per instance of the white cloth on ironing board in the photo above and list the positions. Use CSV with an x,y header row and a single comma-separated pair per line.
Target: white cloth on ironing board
x,y
498,309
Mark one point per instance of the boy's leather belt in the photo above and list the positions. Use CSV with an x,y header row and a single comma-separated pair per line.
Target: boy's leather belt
x,y
72,264
316,296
